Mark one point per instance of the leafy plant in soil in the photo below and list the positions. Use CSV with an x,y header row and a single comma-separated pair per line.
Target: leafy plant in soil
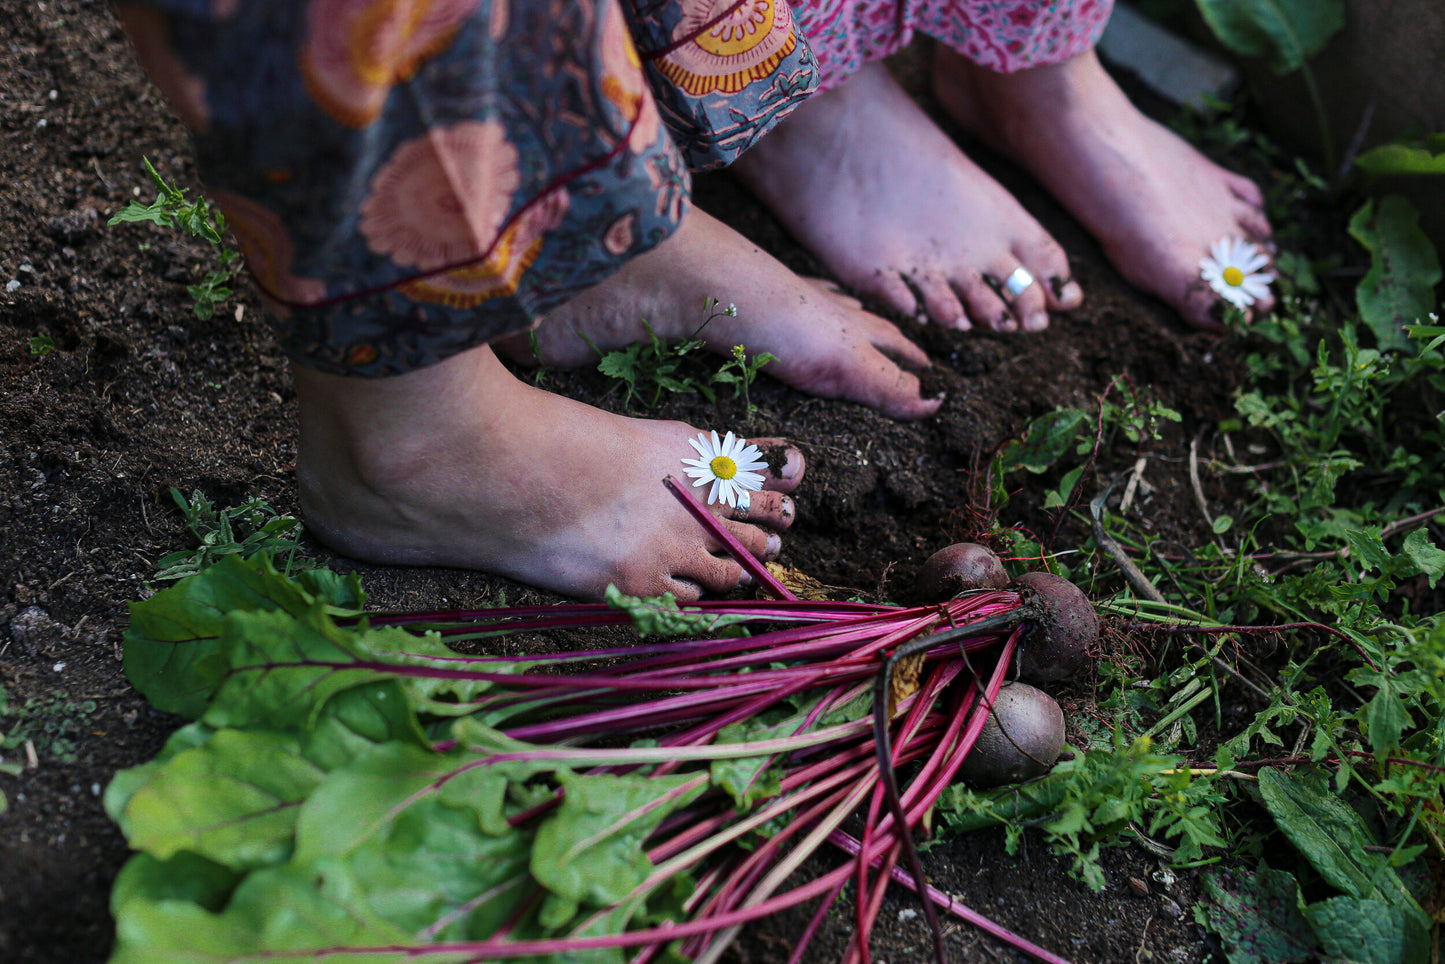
x,y
356,783
243,530
1289,652
653,366
173,209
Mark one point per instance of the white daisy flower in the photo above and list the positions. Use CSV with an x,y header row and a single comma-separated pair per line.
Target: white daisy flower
x,y
1233,271
729,465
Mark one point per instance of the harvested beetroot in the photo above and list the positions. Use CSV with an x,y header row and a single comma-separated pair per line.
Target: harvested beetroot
x,y
1022,739
958,568
1057,645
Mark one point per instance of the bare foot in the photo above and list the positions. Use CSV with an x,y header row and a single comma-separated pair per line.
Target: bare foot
x,y
461,464
1153,201
826,345
867,182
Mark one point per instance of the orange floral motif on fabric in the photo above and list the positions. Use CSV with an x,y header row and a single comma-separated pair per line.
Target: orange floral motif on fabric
x,y
441,198
356,50
623,83
499,274
722,50
268,249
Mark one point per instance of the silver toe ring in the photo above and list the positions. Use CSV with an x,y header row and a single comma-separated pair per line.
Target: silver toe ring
x,y
1017,283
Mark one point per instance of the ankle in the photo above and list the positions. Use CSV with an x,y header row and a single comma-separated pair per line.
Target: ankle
x,y
374,440
1014,112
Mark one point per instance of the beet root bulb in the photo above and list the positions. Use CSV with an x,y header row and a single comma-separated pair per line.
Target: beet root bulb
x,y
959,568
1022,739
1056,646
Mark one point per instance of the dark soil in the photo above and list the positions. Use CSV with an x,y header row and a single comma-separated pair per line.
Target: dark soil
x,y
138,396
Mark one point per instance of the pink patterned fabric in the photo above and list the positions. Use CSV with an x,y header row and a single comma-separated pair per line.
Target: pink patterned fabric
x,y
1002,35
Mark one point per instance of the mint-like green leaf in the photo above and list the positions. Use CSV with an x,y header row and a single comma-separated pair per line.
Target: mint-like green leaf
x,y
1258,917
1288,32
1385,719
1368,550
1399,289
1060,496
1368,932
1428,558
1047,440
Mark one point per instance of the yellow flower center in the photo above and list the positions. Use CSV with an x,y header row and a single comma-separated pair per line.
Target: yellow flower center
x,y
723,467
1233,276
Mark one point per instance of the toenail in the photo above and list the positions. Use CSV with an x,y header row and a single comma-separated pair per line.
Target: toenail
x,y
774,546
787,508
1037,321
1066,290
792,465
746,579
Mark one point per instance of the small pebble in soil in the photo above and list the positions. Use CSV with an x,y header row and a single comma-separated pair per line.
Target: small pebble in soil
x,y
1170,908
1138,887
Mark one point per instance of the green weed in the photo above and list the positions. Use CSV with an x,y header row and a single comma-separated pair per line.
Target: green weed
x,y
243,530
51,725
1291,654
654,366
173,209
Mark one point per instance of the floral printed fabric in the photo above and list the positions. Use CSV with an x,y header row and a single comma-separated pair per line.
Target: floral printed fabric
x,y
412,178
1002,35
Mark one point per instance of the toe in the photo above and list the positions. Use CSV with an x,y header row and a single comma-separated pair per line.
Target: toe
x,y
885,337
940,302
1202,308
767,508
833,290
1030,308
785,467
890,288
1244,189
984,305
1064,293
1253,224
892,391
760,543
705,573
1048,263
